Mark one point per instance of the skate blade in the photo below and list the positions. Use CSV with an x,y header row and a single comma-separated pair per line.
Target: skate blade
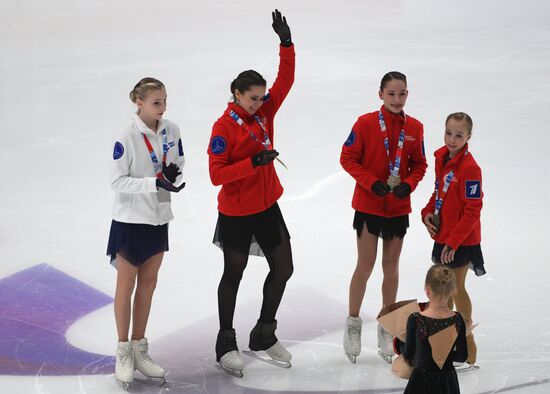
x,y
125,385
386,357
352,358
281,364
464,368
151,381
238,373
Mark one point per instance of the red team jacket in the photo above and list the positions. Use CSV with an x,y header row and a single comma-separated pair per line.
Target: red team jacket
x,y
460,214
247,190
364,157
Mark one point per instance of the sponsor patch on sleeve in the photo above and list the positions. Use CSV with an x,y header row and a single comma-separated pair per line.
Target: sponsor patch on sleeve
x,y
218,145
118,151
180,147
351,139
473,189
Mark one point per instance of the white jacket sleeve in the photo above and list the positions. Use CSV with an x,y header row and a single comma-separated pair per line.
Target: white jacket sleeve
x,y
121,180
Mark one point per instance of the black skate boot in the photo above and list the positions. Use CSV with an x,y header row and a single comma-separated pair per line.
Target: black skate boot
x,y
262,337
227,353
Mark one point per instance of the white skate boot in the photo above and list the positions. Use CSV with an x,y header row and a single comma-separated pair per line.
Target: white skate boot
x,y
124,367
227,353
261,336
352,338
232,363
385,344
143,362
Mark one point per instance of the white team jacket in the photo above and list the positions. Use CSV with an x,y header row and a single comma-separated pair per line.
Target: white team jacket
x,y
133,175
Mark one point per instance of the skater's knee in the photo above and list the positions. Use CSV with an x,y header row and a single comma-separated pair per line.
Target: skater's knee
x,y
125,287
232,276
283,273
364,267
147,284
390,269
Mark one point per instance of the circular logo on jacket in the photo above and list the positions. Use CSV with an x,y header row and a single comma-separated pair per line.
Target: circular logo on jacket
x,y
119,151
351,139
218,145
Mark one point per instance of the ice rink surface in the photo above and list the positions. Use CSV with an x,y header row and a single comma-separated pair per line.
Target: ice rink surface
x,y
67,68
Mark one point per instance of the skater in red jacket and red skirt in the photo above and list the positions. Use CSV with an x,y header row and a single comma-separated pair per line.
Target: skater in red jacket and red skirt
x,y
241,160
452,216
384,153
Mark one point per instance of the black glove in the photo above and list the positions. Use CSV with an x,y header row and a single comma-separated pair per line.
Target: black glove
x,y
170,171
264,157
380,188
281,28
402,190
166,185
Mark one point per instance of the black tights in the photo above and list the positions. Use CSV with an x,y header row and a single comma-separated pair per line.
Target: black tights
x,y
235,257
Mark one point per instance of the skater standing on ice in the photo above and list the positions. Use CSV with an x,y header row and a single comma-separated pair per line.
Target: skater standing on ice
x,y
146,165
436,337
384,153
241,159
452,216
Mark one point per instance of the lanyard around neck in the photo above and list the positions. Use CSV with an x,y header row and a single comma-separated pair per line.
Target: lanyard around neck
x,y
394,167
266,142
156,165
447,179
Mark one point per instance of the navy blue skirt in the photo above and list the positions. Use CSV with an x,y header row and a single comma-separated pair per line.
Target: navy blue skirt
x,y
464,255
136,242
379,226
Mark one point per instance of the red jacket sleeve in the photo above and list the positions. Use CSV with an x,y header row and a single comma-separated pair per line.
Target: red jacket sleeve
x,y
417,162
472,197
283,82
352,155
221,170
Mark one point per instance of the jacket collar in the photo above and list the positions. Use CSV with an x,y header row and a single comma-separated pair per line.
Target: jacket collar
x,y
443,152
143,128
243,114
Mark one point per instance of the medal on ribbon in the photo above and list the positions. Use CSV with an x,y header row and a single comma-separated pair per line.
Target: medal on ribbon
x,y
394,179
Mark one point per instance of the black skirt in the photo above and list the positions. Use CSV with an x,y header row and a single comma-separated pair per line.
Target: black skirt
x,y
385,228
241,232
464,255
136,242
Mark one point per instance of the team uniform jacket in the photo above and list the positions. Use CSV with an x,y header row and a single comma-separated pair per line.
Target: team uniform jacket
x,y
247,190
133,176
460,214
364,156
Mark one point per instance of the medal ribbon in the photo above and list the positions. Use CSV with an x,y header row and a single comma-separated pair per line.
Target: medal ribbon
x,y
266,143
439,200
446,182
394,168
156,165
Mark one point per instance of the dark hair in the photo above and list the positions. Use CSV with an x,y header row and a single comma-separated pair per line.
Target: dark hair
x,y
143,86
391,76
462,116
441,280
246,80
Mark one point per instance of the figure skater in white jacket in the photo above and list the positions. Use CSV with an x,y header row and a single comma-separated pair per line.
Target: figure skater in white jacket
x,y
146,167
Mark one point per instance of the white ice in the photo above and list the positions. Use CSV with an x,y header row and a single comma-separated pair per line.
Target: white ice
x,y
67,68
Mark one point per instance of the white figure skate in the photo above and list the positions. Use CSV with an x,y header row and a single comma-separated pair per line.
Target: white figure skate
x,y
144,364
124,367
352,338
385,344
